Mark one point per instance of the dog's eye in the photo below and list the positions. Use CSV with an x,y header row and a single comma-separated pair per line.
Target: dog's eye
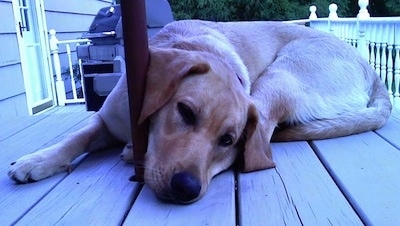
x,y
187,114
226,140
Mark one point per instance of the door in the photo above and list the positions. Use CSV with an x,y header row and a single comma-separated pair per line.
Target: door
x,y
34,52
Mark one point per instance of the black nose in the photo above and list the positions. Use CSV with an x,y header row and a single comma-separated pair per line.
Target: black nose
x,y
185,187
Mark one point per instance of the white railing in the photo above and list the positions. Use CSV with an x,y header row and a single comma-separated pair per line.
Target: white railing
x,y
376,38
60,83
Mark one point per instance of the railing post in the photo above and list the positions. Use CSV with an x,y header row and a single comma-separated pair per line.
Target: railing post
x,y
384,44
378,54
363,13
332,16
362,43
372,44
361,26
333,11
81,73
396,71
71,71
60,88
313,14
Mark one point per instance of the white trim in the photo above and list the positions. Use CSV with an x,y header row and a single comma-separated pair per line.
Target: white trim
x,y
40,14
46,48
22,54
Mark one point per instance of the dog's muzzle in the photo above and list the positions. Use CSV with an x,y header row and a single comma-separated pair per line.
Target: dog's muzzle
x,y
185,187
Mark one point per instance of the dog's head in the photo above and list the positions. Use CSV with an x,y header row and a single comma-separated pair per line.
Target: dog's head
x,y
200,120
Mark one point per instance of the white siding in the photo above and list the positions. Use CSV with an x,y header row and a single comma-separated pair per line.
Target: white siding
x,y
13,107
11,83
7,23
9,54
12,92
71,19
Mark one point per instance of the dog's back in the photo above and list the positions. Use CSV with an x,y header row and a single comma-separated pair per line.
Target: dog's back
x,y
340,93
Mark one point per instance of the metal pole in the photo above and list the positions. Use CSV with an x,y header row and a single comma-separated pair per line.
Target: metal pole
x,y
137,58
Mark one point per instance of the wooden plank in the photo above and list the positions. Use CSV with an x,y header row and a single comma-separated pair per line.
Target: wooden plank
x,y
38,135
16,199
11,127
217,207
298,191
263,200
391,131
366,168
97,192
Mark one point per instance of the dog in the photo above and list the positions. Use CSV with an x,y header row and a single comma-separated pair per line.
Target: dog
x,y
217,92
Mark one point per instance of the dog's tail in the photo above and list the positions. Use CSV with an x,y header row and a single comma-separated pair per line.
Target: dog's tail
x,y
373,117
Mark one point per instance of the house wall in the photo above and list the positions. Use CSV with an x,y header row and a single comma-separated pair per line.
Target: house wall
x,y
12,90
69,19
72,19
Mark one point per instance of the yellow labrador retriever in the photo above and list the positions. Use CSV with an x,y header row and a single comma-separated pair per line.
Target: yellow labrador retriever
x,y
216,91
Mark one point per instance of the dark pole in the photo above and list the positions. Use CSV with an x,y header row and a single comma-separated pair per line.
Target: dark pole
x,y
137,58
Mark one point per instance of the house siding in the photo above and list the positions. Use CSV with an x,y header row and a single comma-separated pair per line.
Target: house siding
x,y
70,20
12,92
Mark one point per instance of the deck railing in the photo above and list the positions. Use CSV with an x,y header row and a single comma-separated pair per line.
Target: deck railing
x,y
71,77
376,38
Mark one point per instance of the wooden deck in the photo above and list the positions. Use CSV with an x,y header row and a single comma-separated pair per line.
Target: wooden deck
x,y
352,180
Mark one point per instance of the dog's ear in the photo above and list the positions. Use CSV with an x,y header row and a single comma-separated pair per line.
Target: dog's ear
x,y
167,68
257,150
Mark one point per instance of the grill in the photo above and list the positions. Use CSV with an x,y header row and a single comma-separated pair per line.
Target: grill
x,y
104,58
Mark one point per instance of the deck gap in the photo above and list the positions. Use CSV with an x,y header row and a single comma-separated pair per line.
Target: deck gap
x,y
356,208
39,200
288,196
297,211
133,197
75,163
237,203
386,139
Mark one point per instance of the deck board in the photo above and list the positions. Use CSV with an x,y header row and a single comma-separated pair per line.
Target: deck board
x,y
343,181
217,207
22,197
9,128
97,192
298,191
366,168
39,134
391,131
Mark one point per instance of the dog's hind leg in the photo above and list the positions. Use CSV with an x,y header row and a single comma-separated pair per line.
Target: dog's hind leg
x,y
371,117
56,158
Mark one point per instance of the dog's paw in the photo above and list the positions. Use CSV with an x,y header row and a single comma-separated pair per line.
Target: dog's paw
x,y
127,153
35,167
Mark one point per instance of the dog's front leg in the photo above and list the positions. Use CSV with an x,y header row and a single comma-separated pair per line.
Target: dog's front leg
x,y
46,162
